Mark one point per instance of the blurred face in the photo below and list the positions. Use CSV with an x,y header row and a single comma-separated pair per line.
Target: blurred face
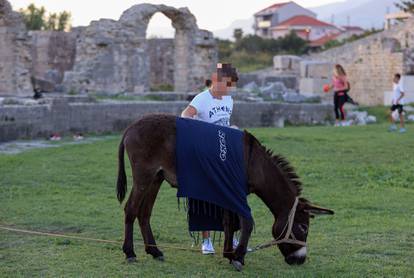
x,y
222,85
396,80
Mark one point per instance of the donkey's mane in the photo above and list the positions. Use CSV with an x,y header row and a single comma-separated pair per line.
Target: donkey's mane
x,y
282,163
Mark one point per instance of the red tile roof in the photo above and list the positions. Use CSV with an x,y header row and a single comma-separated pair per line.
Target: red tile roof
x,y
322,41
303,20
274,6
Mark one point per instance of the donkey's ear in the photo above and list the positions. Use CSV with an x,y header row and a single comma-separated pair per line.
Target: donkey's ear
x,y
316,210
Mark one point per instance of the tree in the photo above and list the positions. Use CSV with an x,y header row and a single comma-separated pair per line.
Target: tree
x,y
250,43
293,44
406,6
238,34
51,22
35,19
64,21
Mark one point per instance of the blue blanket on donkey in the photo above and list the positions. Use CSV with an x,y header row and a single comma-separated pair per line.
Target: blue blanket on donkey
x,y
211,173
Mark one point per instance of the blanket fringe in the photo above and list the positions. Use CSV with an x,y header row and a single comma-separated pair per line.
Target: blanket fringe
x,y
196,207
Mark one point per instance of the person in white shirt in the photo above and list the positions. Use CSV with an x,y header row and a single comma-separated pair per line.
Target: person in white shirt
x,y
215,106
397,104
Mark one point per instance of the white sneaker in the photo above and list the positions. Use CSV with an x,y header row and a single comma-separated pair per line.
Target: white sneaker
x,y
207,247
392,128
236,243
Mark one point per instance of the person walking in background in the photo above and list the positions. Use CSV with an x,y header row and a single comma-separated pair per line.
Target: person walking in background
x,y
397,104
340,86
215,106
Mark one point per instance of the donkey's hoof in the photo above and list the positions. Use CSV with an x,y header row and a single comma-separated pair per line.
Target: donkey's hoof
x,y
237,265
132,260
159,258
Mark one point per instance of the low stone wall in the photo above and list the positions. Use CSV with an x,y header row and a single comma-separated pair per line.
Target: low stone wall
x,y
19,121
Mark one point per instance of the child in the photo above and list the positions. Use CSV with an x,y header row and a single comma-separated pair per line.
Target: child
x,y
397,104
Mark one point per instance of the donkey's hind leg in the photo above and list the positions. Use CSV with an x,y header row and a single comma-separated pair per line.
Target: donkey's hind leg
x,y
142,185
131,212
144,215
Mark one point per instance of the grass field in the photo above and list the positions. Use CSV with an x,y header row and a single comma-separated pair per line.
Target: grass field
x,y
363,173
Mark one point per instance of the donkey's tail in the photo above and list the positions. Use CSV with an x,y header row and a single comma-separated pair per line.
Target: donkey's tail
x,y
121,185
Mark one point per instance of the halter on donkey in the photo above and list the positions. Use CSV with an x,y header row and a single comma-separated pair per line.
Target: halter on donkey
x,y
151,144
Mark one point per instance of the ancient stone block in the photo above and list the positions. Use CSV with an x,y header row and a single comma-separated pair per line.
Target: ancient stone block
x,y
316,69
52,53
287,64
312,86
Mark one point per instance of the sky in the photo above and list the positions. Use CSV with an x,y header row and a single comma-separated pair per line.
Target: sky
x,y
210,14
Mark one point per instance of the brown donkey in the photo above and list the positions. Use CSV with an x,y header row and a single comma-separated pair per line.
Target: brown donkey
x,y
150,145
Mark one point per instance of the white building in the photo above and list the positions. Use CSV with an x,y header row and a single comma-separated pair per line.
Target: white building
x,y
275,14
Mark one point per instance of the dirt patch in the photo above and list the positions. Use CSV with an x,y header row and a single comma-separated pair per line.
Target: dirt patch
x,y
15,147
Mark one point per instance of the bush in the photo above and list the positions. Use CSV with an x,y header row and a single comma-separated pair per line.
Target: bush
x,y
162,88
36,19
253,52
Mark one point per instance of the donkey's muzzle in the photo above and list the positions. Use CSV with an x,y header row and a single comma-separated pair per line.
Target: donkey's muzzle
x,y
292,260
298,257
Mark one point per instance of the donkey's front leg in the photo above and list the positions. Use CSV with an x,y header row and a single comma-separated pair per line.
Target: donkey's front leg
x,y
228,225
246,228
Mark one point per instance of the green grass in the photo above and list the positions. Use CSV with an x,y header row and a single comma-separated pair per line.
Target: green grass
x,y
121,97
363,173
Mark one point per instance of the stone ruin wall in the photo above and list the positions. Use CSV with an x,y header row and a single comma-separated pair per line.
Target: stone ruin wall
x,y
107,56
53,53
161,56
371,62
15,59
112,56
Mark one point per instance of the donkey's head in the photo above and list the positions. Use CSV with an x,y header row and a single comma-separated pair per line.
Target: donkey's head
x,y
291,230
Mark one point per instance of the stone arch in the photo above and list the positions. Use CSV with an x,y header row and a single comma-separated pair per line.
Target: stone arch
x,y
185,25
111,55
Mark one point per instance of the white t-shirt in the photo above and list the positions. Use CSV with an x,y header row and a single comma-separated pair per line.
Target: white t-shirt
x,y
397,90
213,110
